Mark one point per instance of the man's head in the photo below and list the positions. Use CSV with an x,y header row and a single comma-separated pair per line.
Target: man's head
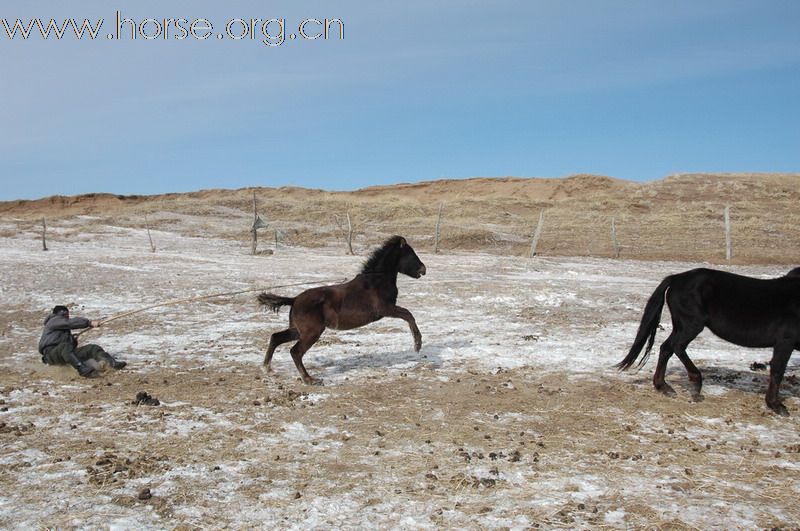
x,y
61,310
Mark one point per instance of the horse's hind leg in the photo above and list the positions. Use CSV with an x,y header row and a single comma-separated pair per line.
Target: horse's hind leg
x,y
300,348
695,376
683,333
681,337
664,354
777,366
278,338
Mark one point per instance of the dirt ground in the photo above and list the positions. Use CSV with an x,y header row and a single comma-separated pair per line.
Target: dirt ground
x,y
511,449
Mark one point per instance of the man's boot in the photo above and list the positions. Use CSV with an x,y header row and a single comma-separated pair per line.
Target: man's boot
x,y
97,353
86,371
112,361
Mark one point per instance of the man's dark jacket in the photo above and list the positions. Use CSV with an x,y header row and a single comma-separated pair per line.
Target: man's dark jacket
x,y
57,330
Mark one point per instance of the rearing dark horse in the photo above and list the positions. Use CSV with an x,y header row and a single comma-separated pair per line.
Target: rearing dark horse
x,y
745,311
370,296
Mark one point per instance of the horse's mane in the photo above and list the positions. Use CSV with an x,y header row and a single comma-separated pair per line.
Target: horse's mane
x,y
376,263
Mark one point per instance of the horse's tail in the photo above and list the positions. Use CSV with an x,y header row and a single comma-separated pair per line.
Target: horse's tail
x,y
648,327
274,301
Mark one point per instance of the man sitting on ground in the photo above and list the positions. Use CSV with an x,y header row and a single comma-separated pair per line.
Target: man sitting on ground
x,y
59,347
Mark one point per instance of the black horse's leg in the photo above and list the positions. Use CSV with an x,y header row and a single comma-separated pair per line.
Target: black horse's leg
x,y
664,354
278,338
405,315
777,366
695,376
680,343
685,327
300,348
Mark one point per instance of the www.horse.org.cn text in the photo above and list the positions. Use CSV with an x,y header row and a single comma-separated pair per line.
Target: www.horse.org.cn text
x,y
268,31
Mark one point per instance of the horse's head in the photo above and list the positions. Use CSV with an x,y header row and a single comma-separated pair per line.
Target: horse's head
x,y
409,263
394,256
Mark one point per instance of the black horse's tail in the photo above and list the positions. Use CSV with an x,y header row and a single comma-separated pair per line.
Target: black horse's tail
x,y
648,327
274,301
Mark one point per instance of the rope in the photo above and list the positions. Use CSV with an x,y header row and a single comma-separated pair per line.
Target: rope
x,y
199,298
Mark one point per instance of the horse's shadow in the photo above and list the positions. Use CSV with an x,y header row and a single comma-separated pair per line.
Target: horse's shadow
x,y
746,380
430,356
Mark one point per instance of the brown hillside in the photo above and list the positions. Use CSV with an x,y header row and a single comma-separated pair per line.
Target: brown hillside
x,y
679,217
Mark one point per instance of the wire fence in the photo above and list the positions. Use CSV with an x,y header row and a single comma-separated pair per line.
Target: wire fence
x,y
749,237
679,229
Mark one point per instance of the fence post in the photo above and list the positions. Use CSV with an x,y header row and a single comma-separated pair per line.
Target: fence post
x,y
614,241
438,228
147,226
253,230
536,234
349,235
258,223
728,244
44,234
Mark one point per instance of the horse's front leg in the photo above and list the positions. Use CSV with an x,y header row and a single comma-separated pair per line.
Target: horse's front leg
x,y
405,315
777,366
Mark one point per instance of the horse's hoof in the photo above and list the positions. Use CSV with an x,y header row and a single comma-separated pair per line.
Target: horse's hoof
x,y
697,397
666,390
780,409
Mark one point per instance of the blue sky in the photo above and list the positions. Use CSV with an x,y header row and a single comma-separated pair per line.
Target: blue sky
x,y
447,89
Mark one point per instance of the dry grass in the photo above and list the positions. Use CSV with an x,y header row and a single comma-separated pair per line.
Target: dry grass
x,y
678,218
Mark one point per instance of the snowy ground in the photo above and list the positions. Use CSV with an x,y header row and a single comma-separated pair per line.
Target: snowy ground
x,y
511,416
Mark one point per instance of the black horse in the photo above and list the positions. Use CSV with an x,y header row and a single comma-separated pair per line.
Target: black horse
x,y
745,311
370,296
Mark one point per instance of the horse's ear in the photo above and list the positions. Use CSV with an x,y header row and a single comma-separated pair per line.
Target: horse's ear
x,y
402,242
